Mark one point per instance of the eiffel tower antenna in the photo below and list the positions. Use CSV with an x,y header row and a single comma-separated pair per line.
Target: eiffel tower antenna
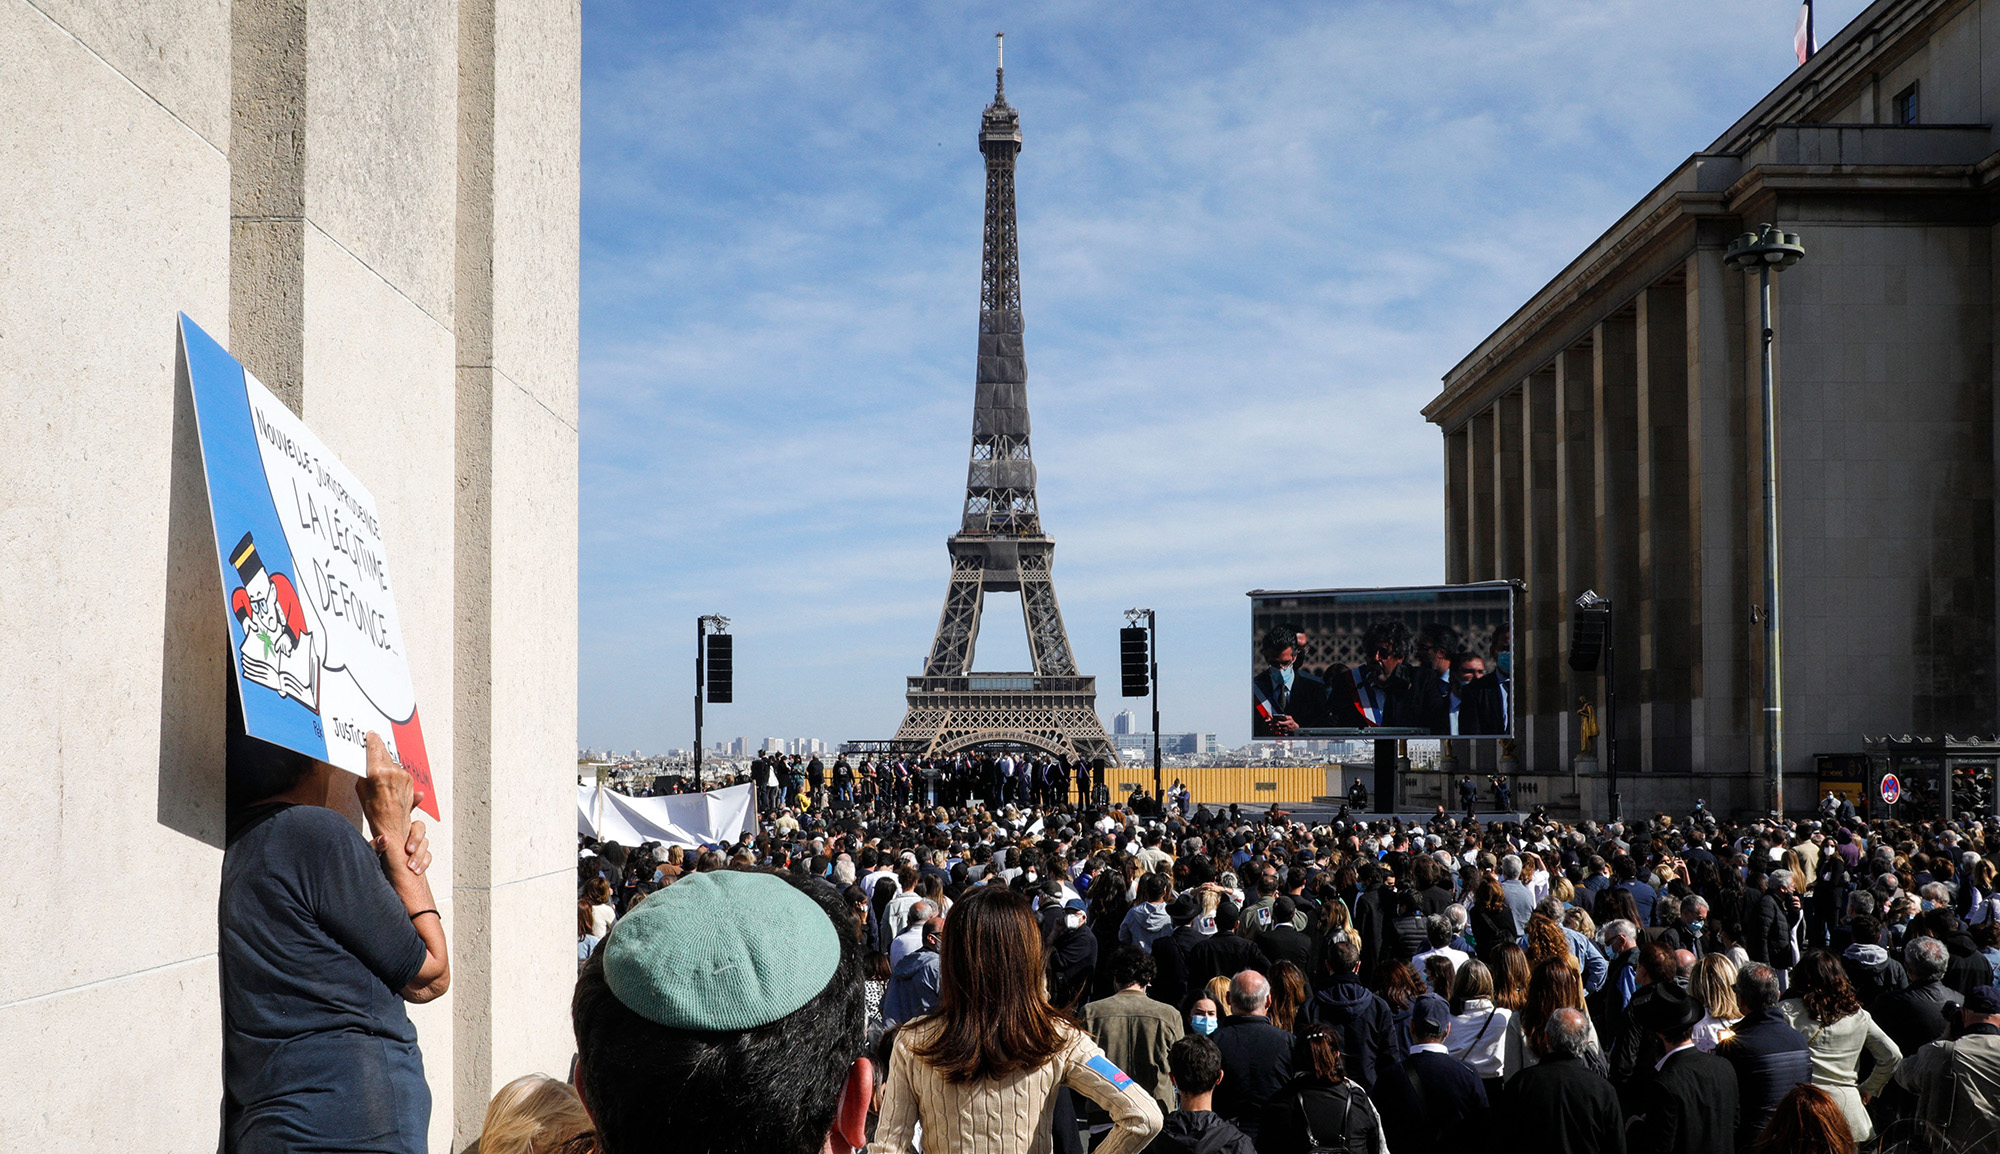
x,y
1000,545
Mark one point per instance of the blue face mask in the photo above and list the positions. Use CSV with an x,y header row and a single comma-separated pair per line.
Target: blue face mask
x,y
1203,1024
1504,662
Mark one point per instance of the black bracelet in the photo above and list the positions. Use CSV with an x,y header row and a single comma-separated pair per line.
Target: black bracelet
x,y
421,913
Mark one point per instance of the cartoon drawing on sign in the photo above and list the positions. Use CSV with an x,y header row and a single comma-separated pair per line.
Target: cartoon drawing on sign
x,y
278,643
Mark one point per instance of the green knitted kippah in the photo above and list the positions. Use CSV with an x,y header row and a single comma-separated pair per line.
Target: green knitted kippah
x,y
724,950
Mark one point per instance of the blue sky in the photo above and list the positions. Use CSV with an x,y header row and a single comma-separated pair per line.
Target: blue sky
x,y
1253,238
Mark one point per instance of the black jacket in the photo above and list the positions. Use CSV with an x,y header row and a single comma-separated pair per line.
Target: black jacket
x,y
1561,1106
1256,1063
1769,1058
1689,1107
1070,962
1432,1100
1917,1016
1306,704
1170,957
1199,1132
1285,944
1768,936
1371,921
1223,955
1367,1028
1337,1117
1969,967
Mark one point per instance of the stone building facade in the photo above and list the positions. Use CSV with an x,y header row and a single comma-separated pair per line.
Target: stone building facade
x,y
1608,435
373,204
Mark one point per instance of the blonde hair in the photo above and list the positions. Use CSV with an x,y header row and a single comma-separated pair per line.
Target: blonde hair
x,y
1714,984
1217,991
533,1114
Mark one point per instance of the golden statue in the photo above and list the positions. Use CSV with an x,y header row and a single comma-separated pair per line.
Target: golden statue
x,y
1586,726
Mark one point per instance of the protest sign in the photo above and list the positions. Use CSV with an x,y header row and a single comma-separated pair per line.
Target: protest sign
x,y
318,652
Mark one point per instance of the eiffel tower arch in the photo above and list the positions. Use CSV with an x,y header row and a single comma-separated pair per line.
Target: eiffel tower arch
x,y
1000,546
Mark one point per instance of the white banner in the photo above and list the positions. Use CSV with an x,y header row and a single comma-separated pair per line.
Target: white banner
x,y
693,820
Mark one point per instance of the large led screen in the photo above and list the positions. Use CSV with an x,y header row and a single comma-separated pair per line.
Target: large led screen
x,y
1434,661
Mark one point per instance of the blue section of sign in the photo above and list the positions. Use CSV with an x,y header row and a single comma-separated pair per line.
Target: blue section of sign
x,y
1892,790
1109,1072
239,499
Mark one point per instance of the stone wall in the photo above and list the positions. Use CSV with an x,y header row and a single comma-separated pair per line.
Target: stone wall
x,y
374,206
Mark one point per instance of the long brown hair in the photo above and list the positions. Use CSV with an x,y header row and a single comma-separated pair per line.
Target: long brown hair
x,y
1489,896
993,1017
1510,977
1557,984
1289,992
1824,987
1807,1121
1399,985
1316,1051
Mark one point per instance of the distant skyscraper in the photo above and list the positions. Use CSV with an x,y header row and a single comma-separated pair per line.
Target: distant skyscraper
x,y
1124,722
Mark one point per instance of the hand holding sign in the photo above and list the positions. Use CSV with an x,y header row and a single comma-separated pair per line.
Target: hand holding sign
x,y
388,794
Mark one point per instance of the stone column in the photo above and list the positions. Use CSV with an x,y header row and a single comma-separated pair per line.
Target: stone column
x,y
1719,517
1480,493
1538,645
1509,471
515,542
1457,507
1615,377
1576,513
1665,643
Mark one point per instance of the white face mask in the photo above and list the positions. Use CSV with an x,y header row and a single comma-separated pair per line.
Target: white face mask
x,y
1075,921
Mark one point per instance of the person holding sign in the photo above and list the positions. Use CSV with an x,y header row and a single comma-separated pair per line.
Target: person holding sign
x,y
323,938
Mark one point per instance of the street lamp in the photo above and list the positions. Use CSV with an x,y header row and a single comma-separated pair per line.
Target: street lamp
x,y
1134,616
1769,250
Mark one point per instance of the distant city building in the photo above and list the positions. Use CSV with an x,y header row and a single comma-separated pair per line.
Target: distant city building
x,y
1123,723
1192,744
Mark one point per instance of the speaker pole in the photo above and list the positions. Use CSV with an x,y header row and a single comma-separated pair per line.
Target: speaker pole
x,y
700,643
1611,705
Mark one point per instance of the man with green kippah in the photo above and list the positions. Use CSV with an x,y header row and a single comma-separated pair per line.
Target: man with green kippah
x,y
726,1014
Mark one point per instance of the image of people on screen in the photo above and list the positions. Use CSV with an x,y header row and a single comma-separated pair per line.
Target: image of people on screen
x,y
1431,681
1285,698
1375,693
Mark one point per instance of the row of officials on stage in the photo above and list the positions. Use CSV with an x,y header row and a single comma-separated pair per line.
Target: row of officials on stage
x,y
1429,682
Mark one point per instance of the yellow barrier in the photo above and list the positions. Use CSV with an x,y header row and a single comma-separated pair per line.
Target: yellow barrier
x,y
1221,785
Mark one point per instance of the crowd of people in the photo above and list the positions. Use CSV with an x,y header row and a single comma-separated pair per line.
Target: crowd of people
x,y
1003,977
1075,977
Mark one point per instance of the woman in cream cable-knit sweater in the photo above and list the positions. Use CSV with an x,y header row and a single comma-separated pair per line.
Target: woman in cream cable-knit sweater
x,y
981,1071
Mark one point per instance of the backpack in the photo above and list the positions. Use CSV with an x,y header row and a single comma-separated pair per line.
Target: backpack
x,y
1342,1144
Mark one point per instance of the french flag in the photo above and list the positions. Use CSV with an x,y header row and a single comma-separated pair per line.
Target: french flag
x,y
1804,42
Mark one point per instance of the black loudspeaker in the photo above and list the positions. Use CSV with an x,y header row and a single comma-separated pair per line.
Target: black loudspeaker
x,y
1132,662
721,669
1587,629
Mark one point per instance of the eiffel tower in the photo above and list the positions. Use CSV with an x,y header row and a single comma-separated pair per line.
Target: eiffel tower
x,y
1000,546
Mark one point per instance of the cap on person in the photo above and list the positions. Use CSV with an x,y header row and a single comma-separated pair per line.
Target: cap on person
x,y
1430,1016
1983,1000
739,989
